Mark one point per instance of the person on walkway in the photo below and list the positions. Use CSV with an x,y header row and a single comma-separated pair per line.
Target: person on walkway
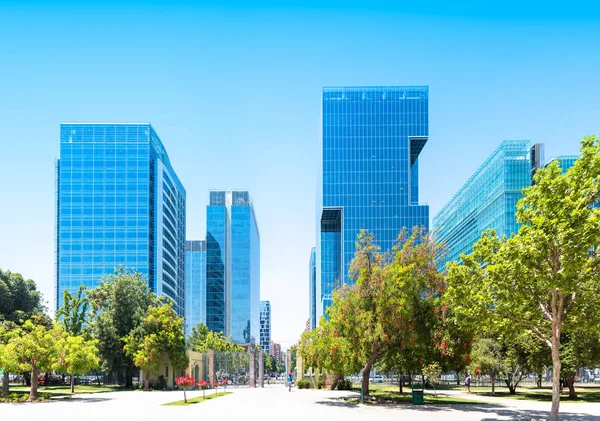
x,y
290,378
468,383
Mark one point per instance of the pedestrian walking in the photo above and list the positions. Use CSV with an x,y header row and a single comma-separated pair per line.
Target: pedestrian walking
x,y
468,383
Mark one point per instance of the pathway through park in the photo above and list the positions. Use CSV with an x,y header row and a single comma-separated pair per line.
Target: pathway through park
x,y
275,402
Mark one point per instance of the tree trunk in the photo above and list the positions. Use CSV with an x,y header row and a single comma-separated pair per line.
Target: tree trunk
x,y
557,307
34,386
5,384
336,379
539,381
493,384
27,377
72,383
366,373
128,377
184,397
570,383
147,381
401,381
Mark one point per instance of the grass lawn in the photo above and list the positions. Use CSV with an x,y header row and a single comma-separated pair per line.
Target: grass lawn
x,y
390,394
545,395
66,390
199,399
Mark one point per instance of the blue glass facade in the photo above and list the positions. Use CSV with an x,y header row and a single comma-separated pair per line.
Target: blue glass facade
x,y
370,145
195,284
312,289
217,230
565,161
119,203
265,326
233,266
488,199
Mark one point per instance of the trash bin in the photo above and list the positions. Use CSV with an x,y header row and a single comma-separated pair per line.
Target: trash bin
x,y
417,397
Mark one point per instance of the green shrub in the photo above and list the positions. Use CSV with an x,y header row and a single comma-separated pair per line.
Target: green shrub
x,y
320,384
344,384
303,384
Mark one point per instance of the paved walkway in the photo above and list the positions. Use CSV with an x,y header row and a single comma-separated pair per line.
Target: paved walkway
x,y
276,401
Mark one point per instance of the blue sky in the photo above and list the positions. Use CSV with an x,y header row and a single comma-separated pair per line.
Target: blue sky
x,y
233,90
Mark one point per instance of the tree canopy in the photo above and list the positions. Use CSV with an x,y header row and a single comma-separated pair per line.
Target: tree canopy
x,y
203,340
160,332
391,315
119,305
545,278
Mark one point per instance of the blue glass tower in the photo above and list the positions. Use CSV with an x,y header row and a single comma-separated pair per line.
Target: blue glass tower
x,y
232,266
312,289
265,326
488,199
195,284
119,203
370,145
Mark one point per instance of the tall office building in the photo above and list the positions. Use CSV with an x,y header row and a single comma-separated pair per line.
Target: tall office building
x,y
276,352
565,161
312,289
370,145
232,266
195,284
488,199
119,203
265,326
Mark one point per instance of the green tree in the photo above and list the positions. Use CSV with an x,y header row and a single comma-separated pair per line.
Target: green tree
x,y
383,310
269,364
34,350
545,278
19,301
326,349
119,305
579,349
73,315
203,340
160,332
7,361
76,355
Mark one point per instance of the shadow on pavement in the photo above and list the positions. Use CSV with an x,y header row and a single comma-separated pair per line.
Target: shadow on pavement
x,y
493,410
88,400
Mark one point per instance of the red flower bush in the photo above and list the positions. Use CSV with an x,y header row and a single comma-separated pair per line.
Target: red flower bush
x,y
185,381
202,384
215,384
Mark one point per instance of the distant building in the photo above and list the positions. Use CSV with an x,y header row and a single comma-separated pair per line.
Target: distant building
x,y
195,286
119,203
369,174
232,266
312,289
489,198
276,352
265,326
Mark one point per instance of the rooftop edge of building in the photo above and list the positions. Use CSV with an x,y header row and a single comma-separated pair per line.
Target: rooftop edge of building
x,y
375,87
477,172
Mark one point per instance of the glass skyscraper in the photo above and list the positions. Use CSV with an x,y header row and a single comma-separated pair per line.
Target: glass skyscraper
x,y
488,199
232,266
119,203
265,326
370,144
195,284
312,289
